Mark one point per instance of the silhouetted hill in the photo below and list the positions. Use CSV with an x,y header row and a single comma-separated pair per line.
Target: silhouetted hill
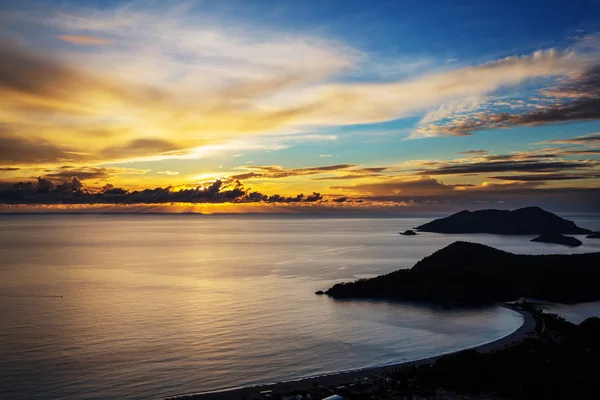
x,y
473,273
595,235
557,238
559,362
524,221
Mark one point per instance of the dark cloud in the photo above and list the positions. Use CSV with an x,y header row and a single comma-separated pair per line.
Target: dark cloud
x,y
297,199
247,175
544,177
73,191
520,156
335,167
474,152
374,169
505,166
344,177
583,152
72,185
9,169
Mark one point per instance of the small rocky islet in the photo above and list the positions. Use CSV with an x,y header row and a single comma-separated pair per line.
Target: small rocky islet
x,y
557,238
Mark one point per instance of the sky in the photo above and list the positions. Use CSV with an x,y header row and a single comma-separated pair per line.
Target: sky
x,y
312,105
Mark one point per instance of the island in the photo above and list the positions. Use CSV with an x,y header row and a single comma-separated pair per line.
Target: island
x,y
524,221
595,235
466,273
409,232
557,238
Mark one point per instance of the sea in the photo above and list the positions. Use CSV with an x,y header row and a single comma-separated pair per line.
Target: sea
x,y
122,306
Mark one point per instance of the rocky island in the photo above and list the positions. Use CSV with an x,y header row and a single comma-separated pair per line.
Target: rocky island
x,y
471,273
557,238
595,235
524,221
408,232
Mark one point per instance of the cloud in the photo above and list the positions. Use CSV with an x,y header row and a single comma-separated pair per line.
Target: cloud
x,y
190,87
474,152
505,166
72,185
142,147
367,103
170,173
527,167
277,171
22,150
343,177
9,169
432,192
73,191
578,99
197,84
533,166
350,171
586,140
37,83
545,177
68,172
421,186
583,152
85,40
88,173
325,155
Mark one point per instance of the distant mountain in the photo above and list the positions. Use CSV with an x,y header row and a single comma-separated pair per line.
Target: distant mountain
x,y
524,221
472,273
557,238
595,235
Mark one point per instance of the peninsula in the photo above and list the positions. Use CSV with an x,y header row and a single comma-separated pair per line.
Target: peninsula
x,y
524,221
471,273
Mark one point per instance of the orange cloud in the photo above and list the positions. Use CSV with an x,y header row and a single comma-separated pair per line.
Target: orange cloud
x,y
83,40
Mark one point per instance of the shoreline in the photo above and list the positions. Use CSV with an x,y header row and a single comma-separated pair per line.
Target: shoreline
x,y
344,377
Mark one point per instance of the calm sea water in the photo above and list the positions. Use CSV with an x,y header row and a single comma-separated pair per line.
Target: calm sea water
x,y
154,305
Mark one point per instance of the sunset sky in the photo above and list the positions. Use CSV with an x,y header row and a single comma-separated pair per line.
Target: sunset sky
x,y
380,103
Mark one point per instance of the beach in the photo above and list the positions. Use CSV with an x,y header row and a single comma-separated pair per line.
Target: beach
x,y
345,377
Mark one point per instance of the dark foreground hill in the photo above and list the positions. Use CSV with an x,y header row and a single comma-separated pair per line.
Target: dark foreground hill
x,y
560,361
524,221
471,273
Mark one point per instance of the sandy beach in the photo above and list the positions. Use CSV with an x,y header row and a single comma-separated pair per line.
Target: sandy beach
x,y
345,377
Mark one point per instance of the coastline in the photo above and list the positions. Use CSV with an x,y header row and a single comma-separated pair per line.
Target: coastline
x,y
344,377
